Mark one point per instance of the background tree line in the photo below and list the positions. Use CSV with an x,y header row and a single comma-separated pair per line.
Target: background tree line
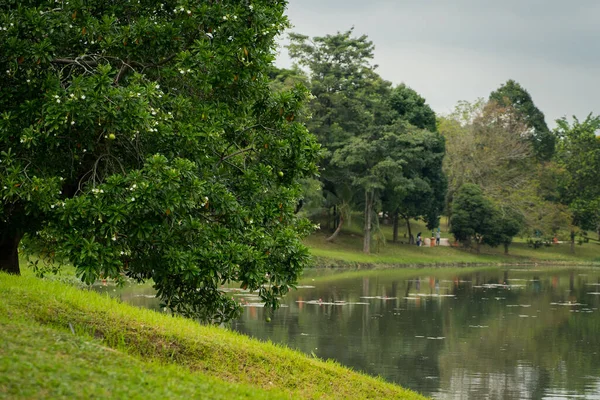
x,y
493,167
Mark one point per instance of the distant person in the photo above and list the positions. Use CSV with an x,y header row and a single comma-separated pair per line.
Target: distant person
x,y
437,237
419,239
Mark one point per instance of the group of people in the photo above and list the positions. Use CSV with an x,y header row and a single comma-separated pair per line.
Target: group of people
x,y
437,236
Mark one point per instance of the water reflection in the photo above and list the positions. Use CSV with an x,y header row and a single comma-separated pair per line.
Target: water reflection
x,y
489,333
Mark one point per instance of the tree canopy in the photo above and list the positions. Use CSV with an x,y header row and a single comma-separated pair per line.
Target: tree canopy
x,y
579,157
142,139
373,135
514,95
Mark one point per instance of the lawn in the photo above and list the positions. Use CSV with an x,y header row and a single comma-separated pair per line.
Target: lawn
x,y
59,341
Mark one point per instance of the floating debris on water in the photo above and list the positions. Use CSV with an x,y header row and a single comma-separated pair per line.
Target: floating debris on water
x,y
594,293
478,326
260,305
568,304
436,338
329,303
378,297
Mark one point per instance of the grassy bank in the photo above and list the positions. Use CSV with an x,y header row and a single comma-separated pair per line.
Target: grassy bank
x,y
62,342
347,250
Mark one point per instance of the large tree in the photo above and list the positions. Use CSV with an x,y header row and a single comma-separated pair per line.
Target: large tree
x,y
541,137
368,131
487,145
142,139
579,156
473,216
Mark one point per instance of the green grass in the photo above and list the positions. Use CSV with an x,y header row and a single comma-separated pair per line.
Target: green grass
x,y
347,248
119,351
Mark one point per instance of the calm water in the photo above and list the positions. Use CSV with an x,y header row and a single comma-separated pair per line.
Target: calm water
x,y
484,334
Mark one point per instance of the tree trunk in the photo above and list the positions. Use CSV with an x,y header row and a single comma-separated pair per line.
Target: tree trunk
x,y
411,239
395,236
335,220
572,242
478,245
505,248
367,227
337,230
9,253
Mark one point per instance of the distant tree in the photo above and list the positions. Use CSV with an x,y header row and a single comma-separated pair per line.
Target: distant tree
x,y
505,226
486,144
419,191
514,95
579,154
411,107
473,216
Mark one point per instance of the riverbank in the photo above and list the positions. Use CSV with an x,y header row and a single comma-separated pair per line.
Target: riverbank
x,y
59,341
346,252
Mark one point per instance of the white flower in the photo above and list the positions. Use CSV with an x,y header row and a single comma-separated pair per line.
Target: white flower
x,y
251,7
58,100
209,35
114,238
133,199
83,97
157,86
72,122
189,12
28,80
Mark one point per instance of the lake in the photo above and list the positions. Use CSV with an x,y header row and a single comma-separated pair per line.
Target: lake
x,y
488,333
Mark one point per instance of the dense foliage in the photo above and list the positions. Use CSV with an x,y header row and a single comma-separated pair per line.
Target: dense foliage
x,y
382,153
579,157
142,138
540,136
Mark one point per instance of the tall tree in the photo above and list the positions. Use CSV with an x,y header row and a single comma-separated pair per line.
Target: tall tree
x,y
141,138
579,155
514,95
347,106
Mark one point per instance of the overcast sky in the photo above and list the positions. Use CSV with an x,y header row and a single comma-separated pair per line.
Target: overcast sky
x,y
463,49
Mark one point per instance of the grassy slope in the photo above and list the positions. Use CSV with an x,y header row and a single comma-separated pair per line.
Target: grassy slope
x,y
119,351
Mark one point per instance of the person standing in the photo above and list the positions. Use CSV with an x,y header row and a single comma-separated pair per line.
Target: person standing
x,y
437,237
